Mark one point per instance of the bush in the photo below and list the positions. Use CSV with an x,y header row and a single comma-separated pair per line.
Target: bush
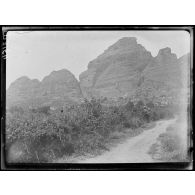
x,y
68,149
16,109
43,109
133,122
170,145
79,129
169,142
129,106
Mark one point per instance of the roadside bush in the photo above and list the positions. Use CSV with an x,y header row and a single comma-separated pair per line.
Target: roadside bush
x,y
43,109
16,109
133,122
170,145
169,141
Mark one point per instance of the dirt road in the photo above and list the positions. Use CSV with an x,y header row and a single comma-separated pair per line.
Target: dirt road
x,y
133,150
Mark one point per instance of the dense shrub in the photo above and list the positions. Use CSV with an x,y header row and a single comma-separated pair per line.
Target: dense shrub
x,y
16,109
78,129
170,145
43,109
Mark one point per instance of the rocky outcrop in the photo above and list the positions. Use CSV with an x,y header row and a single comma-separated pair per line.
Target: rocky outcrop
x,y
22,90
60,86
164,69
117,71
56,89
184,63
125,69
186,71
162,77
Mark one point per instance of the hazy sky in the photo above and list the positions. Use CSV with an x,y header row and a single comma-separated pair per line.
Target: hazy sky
x,y
36,54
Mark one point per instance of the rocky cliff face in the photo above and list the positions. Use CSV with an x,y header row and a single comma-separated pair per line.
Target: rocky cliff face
x,y
128,69
60,86
56,89
125,69
184,63
117,71
162,77
164,69
22,90
165,75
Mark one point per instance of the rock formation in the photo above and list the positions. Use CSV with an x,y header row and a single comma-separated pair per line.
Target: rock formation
x,y
128,69
162,77
60,86
186,71
116,72
125,69
22,90
56,89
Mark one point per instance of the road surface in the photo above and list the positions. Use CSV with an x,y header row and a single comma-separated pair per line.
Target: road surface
x,y
133,150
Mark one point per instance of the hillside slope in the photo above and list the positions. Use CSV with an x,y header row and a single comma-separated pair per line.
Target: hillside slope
x,y
56,89
125,69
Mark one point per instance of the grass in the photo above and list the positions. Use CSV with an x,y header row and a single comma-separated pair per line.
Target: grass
x,y
170,145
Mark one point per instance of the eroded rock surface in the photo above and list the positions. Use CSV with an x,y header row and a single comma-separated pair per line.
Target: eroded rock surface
x,y
56,89
117,71
124,69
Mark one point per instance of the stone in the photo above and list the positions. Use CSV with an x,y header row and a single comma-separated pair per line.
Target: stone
x,y
116,72
56,89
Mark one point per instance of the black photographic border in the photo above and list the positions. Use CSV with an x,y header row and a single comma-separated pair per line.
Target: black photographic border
x,y
96,167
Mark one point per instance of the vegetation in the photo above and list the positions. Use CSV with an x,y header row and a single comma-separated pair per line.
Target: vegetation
x,y
171,145
43,135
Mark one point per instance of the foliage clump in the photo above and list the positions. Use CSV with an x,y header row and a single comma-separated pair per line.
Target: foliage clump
x,y
170,146
46,134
